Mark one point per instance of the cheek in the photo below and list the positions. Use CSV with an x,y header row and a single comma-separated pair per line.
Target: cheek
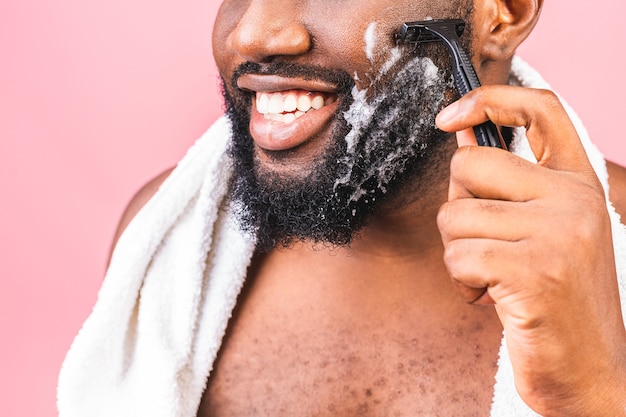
x,y
229,13
350,48
364,47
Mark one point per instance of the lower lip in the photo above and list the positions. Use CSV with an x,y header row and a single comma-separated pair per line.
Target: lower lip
x,y
277,136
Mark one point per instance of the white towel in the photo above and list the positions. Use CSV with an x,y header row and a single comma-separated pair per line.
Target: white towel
x,y
162,311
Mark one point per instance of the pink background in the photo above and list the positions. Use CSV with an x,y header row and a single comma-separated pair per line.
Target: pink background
x,y
98,97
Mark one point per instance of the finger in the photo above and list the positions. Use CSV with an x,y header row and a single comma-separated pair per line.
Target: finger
x,y
476,296
550,132
466,137
477,171
476,265
480,218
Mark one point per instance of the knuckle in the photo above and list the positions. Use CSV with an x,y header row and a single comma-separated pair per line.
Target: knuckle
x,y
459,161
450,258
479,95
589,216
443,217
548,98
588,227
456,260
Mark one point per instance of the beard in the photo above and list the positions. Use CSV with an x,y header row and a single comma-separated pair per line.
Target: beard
x,y
384,141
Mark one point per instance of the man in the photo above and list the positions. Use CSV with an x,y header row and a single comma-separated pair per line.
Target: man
x,y
382,243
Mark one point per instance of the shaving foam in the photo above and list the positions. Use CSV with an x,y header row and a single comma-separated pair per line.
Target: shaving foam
x,y
363,111
370,41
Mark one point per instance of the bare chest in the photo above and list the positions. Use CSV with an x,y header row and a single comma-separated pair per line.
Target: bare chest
x,y
300,355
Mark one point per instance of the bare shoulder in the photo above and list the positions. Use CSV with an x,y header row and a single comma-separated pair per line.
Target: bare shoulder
x,y
617,187
138,201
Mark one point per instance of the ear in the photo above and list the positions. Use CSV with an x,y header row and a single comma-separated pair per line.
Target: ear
x,y
500,26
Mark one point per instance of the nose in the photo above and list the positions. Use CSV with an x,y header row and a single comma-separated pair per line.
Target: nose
x,y
269,29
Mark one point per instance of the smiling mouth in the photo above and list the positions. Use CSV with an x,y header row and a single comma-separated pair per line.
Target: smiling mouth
x,y
287,106
288,112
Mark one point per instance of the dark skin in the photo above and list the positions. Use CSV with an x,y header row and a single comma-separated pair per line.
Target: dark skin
x,y
402,322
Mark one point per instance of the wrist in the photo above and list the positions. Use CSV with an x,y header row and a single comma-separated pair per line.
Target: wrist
x,y
607,395
601,392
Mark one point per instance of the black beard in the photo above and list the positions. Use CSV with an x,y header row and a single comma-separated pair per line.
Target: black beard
x,y
346,185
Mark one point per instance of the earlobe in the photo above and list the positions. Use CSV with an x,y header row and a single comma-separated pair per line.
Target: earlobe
x,y
501,26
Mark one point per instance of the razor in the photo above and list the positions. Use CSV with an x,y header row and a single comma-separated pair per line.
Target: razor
x,y
448,31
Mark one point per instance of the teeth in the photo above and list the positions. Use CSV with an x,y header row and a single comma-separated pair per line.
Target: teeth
x,y
288,117
286,107
276,116
304,103
291,103
276,104
262,103
317,102
284,117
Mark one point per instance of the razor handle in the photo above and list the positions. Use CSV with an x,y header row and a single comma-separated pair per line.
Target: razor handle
x,y
487,133
465,78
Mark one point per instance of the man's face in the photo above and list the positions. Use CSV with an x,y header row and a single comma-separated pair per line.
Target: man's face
x,y
330,118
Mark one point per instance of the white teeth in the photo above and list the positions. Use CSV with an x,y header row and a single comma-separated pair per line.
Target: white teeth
x,y
276,103
286,107
274,116
317,102
262,102
284,118
291,103
288,117
304,103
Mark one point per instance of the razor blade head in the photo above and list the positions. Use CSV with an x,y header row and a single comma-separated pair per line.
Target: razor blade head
x,y
413,33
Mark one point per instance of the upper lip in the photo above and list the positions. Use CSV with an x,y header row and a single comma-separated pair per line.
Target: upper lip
x,y
273,83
